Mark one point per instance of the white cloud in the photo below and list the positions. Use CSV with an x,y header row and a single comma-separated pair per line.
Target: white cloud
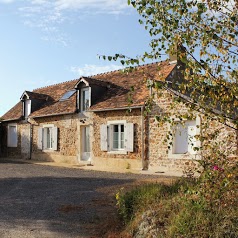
x,y
39,1
48,14
106,6
88,70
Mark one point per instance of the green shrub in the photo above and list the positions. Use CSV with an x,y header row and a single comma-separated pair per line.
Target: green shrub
x,y
182,209
129,203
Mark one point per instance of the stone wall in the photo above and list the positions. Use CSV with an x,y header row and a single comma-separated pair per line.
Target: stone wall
x,y
226,138
22,151
159,158
67,146
101,118
150,148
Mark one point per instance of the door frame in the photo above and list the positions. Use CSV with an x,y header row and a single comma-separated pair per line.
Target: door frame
x,y
85,143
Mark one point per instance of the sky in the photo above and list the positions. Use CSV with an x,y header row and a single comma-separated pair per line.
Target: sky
x,y
45,42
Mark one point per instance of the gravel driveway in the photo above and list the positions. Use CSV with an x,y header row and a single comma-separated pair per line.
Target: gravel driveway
x,y
46,201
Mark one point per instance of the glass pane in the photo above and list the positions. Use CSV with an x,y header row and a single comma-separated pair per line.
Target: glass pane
x,y
85,99
122,141
115,128
27,107
67,95
87,140
49,139
115,140
181,139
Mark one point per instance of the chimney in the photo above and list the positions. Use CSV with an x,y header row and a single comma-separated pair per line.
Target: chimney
x,y
173,57
179,50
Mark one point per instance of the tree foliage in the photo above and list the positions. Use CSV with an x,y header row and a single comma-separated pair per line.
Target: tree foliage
x,y
207,33
203,34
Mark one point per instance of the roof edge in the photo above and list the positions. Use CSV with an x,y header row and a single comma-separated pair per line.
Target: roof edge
x,y
115,109
14,119
56,114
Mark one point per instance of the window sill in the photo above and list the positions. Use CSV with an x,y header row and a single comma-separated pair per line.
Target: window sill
x,y
48,150
120,152
184,156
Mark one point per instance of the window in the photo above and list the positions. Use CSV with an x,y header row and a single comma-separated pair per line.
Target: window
x,y
117,136
67,95
85,102
27,108
85,143
12,135
47,137
48,140
184,138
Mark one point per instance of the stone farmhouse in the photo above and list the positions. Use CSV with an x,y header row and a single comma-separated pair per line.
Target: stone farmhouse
x,y
101,121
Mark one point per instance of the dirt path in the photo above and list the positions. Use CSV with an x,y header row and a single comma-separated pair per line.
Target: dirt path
x,y
44,201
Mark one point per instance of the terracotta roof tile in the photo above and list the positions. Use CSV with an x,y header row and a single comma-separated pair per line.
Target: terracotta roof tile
x,y
117,87
117,96
56,108
15,113
51,94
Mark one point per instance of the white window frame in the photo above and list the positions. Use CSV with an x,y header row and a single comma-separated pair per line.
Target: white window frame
x,y
119,146
188,154
27,108
106,133
82,98
48,142
42,137
12,142
111,125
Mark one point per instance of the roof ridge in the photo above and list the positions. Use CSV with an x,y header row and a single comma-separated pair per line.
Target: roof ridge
x,y
142,65
94,75
55,84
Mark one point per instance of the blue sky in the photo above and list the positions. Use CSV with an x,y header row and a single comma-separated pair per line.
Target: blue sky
x,y
46,42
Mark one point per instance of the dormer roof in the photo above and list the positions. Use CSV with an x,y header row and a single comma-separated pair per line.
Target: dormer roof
x,y
89,81
34,95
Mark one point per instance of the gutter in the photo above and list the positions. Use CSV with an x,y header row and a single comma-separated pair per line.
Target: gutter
x,y
31,139
58,114
16,119
142,138
115,109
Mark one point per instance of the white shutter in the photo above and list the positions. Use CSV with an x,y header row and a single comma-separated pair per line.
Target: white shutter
x,y
12,136
191,139
40,138
129,137
180,143
55,138
103,136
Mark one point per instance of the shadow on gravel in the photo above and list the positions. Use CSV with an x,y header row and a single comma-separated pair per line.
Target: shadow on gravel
x,y
9,161
69,206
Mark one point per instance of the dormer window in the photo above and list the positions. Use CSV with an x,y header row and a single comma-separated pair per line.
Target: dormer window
x,y
27,108
85,99
26,104
84,94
